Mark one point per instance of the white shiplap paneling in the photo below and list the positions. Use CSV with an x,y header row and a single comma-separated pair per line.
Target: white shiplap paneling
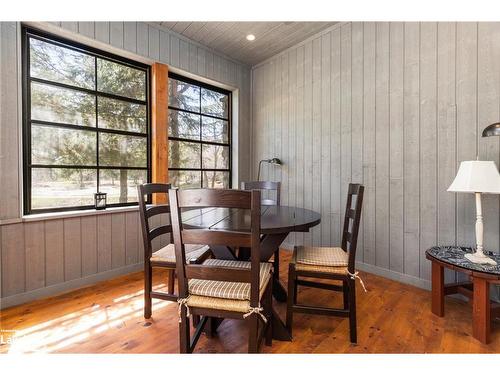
x,y
399,106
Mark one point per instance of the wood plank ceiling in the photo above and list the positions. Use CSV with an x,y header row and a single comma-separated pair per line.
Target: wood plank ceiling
x,y
229,38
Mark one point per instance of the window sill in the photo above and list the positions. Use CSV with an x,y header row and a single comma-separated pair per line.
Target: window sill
x,y
78,213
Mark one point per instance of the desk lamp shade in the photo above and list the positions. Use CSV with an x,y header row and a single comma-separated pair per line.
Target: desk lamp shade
x,y
270,161
477,177
492,130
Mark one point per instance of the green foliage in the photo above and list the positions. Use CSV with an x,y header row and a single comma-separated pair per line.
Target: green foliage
x,y
59,146
184,154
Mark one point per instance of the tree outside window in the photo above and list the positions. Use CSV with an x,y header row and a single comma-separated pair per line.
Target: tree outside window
x,y
86,125
199,134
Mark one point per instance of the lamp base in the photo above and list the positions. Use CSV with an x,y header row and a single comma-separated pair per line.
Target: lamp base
x,y
481,259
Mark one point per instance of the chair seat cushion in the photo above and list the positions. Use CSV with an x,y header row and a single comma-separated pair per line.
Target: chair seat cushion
x,y
167,254
226,289
213,303
322,256
331,260
322,269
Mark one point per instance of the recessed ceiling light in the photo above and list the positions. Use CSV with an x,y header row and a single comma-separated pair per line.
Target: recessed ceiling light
x,y
250,37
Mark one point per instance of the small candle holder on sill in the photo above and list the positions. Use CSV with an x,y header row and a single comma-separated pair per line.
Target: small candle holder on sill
x,y
100,201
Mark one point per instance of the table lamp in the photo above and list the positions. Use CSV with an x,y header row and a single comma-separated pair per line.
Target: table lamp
x,y
477,177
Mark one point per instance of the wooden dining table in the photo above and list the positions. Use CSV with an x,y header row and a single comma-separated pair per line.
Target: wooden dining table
x,y
277,222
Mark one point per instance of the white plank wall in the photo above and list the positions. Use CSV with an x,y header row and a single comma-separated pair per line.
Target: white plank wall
x,y
42,256
395,106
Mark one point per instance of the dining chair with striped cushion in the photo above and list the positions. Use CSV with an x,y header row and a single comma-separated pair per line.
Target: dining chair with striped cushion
x,y
151,218
228,289
332,263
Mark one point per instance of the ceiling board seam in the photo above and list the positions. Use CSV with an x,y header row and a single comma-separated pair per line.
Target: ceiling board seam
x,y
303,42
186,39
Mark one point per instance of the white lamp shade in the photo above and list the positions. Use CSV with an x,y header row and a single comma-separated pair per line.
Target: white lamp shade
x,y
476,176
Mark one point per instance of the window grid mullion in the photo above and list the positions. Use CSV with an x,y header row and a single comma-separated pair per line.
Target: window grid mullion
x,y
201,145
28,34
197,113
88,91
97,128
201,141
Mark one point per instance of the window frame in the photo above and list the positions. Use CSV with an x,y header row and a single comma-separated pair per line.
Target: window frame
x,y
29,32
201,142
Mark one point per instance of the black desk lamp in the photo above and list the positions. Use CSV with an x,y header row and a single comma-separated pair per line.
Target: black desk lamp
x,y
492,130
270,161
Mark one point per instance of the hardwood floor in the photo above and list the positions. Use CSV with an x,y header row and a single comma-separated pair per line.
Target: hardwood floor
x,y
107,318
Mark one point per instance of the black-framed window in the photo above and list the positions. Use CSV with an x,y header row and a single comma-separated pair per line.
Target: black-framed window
x,y
86,125
199,150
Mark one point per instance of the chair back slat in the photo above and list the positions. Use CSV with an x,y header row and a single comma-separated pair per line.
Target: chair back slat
x,y
158,231
233,199
264,186
218,273
351,222
154,210
223,198
154,188
214,238
149,212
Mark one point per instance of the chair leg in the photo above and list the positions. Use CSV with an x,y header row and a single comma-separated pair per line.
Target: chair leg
x,y
269,314
253,333
295,289
276,262
352,311
171,281
148,282
184,334
345,292
292,297
211,327
195,320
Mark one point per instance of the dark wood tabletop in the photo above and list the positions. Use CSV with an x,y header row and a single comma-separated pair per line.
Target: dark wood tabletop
x,y
274,219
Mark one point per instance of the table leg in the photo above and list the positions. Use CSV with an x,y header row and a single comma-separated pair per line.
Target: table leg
x,y
437,289
481,310
280,332
223,252
279,291
269,245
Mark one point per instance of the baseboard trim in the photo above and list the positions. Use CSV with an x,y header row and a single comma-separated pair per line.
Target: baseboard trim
x,y
67,286
393,275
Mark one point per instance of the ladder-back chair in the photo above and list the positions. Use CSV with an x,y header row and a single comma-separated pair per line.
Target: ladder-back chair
x,y
222,288
164,257
333,263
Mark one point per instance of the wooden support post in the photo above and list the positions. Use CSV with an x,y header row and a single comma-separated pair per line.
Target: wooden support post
x,y
159,127
437,289
481,310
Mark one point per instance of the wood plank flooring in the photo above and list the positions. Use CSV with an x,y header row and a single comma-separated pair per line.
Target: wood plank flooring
x,y
107,318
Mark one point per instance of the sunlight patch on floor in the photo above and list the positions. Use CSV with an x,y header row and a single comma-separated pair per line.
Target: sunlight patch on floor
x,y
79,326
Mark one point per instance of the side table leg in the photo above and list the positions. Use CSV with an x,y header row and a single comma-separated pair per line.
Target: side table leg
x,y
437,289
481,311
